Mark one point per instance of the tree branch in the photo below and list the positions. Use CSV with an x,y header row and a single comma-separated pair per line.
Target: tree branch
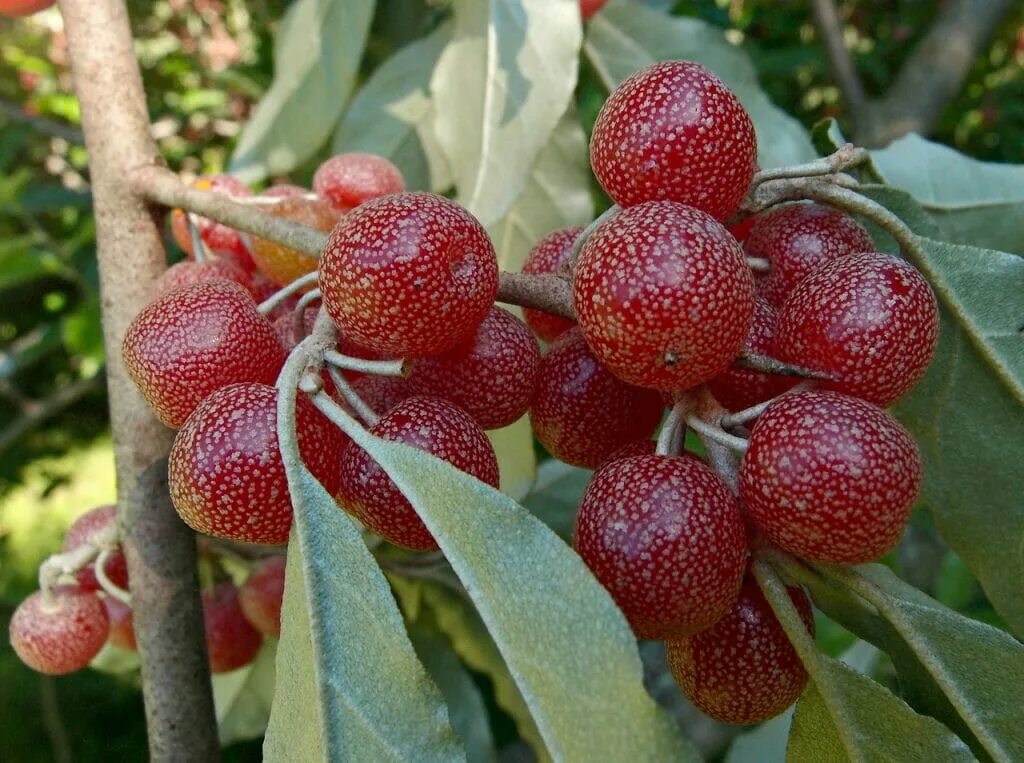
x,y
830,27
40,410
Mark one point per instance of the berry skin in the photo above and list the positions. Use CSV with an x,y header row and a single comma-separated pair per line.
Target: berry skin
x,y
665,536
673,131
796,239
427,423
589,7
15,8
279,263
122,624
664,296
382,393
82,530
189,272
231,642
870,320
61,636
491,376
348,180
548,256
742,669
410,274
261,596
739,388
191,342
219,238
225,472
581,412
829,477
283,191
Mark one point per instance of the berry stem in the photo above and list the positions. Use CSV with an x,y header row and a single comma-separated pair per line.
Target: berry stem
x,y
284,292
731,420
112,589
70,562
714,432
198,247
765,364
299,313
586,233
549,292
844,158
365,412
335,413
759,264
378,367
669,440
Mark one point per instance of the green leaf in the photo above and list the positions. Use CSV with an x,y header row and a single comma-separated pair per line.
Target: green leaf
x,y
499,89
317,51
555,497
628,36
392,115
82,329
517,463
242,698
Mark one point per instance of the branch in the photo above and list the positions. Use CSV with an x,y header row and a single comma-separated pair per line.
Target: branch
x,y
550,293
830,27
40,410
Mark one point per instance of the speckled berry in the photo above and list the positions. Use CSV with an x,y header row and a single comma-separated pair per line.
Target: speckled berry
x,y
61,635
347,180
581,412
427,423
262,594
664,296
829,477
225,472
796,239
738,388
742,669
410,274
665,536
276,261
192,341
231,642
81,531
189,273
674,131
122,624
263,288
218,238
589,7
382,393
549,255
870,320
491,376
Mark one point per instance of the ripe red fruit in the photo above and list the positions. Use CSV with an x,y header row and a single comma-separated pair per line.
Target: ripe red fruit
x,y
548,256
231,642
663,296
581,412
829,477
219,238
382,393
261,596
674,131
81,531
189,272
665,536
284,190
225,472
263,288
122,624
23,7
410,274
742,669
276,261
796,239
191,342
348,180
738,388
427,423
589,7
491,376
62,635
870,320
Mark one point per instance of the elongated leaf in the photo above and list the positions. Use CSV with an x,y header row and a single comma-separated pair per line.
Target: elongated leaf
x,y
317,51
242,698
555,498
392,115
627,36
499,89
517,462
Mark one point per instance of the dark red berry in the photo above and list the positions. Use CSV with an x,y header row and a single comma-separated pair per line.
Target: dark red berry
x,y
189,272
428,423
261,596
665,536
410,274
225,472
742,669
61,635
231,642
262,288
581,412
348,180
829,477
549,255
122,624
382,393
589,7
664,296
82,530
796,239
674,131
870,320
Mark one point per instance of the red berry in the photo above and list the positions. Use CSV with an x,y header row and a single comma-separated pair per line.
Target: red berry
x,y
870,320
23,7
261,596
225,472
664,296
741,230
219,238
738,388
231,642
589,7
262,288
829,477
62,635
673,131
284,190
81,531
122,624
195,340
581,412
189,272
742,669
491,376
644,447
409,274
549,255
348,180
665,536
427,423
276,261
796,239
382,393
